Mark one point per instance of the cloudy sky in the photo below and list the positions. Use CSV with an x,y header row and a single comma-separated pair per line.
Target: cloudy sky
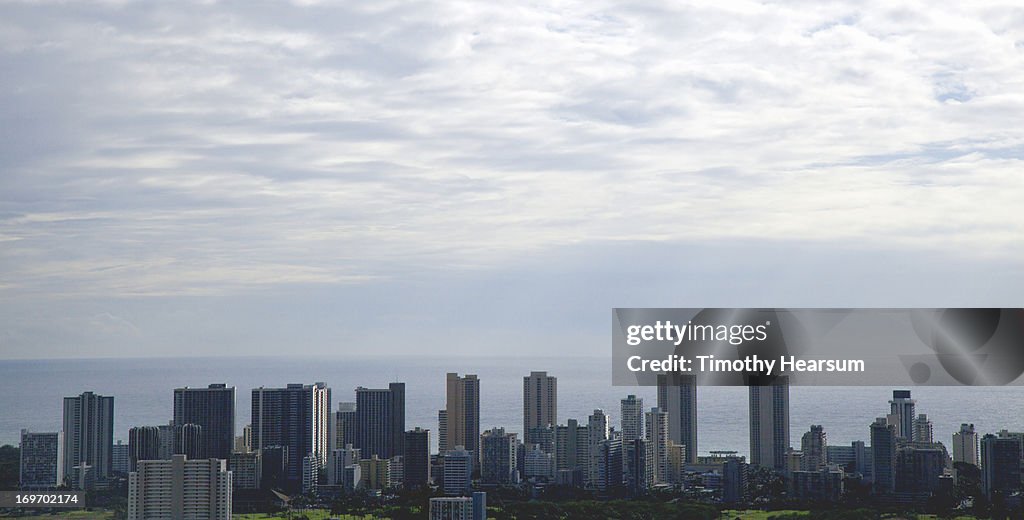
x,y
346,178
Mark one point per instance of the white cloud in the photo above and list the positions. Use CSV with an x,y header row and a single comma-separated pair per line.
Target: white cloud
x,y
154,150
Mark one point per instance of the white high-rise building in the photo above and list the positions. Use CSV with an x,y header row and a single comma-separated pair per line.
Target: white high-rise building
x,y
540,403
632,419
459,508
965,445
180,488
658,445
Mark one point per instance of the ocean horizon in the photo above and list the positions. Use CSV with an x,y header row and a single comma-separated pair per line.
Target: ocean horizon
x,y
31,393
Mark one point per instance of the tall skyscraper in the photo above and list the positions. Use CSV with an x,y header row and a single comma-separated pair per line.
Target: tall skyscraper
x,y
677,395
462,426
42,465
923,431
88,435
597,432
499,463
572,447
540,403
458,471
769,424
416,473
212,408
1000,464
344,431
883,455
296,418
903,408
813,448
965,445
657,426
380,421
609,464
180,488
632,418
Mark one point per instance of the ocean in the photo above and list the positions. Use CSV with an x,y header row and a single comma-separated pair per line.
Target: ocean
x,y
31,394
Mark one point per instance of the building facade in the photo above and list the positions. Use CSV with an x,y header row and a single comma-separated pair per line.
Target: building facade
x,y
180,488
540,403
88,437
213,409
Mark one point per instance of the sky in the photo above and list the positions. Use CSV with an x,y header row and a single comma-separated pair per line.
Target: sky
x,y
484,178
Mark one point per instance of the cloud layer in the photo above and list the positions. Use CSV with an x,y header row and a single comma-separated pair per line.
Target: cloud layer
x,y
157,158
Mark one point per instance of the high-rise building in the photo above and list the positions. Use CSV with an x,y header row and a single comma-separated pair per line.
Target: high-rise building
x,y
247,437
544,438
376,473
165,436
540,403
657,426
338,464
676,462
442,431
1000,464
416,471
143,444
769,424
572,447
180,488
734,480
344,432
88,436
537,463
637,466
883,455
903,408
965,445
310,473
923,431
246,469
458,471
213,409
632,418
813,447
41,465
380,421
919,467
609,464
459,508
295,418
855,458
462,420
188,440
677,395
119,460
499,463
597,432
